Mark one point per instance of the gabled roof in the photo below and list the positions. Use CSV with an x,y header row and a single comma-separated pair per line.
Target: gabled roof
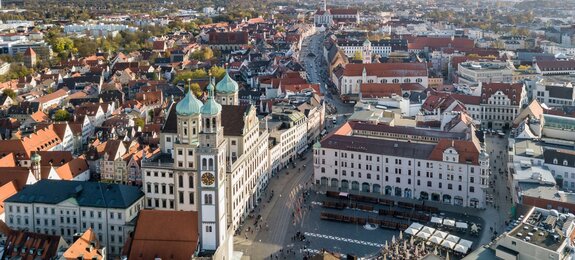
x,y
165,234
46,246
72,169
556,65
467,150
233,119
513,91
85,247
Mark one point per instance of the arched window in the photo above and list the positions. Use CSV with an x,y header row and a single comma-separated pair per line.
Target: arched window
x,y
555,161
207,123
565,162
208,199
204,162
395,81
211,162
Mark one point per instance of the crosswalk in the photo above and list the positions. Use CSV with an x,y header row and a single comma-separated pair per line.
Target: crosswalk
x,y
343,239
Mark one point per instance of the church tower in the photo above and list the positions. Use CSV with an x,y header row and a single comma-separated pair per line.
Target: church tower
x,y
211,156
366,51
189,124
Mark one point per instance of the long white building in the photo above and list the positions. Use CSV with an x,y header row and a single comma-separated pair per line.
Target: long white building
x,y
404,162
355,74
65,208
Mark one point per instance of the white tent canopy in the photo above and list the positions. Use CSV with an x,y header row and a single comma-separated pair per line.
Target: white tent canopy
x,y
428,230
411,231
465,243
436,220
423,235
452,238
449,222
462,225
416,225
447,244
440,234
435,240
461,249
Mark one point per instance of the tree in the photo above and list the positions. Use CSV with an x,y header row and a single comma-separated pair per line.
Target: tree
x,y
139,122
61,44
61,115
185,75
217,72
196,89
203,54
357,55
9,93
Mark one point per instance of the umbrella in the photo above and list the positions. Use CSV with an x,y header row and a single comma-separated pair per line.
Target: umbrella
x,y
435,240
447,244
452,238
396,251
411,241
416,251
449,222
440,234
435,251
436,220
461,249
474,228
461,225
386,246
465,243
447,256
404,244
393,239
407,254
400,235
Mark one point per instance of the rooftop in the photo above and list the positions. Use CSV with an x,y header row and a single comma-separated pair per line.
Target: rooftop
x,y
543,228
84,194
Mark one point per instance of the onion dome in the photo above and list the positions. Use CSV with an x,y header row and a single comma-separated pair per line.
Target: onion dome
x,y
190,105
211,107
227,85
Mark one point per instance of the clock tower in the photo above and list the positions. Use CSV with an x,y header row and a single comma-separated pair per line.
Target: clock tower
x,y
211,159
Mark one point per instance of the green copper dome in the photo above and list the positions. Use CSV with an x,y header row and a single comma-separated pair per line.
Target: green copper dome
x,y
190,105
211,107
227,85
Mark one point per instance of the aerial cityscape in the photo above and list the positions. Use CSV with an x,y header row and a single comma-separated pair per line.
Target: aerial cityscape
x,y
287,129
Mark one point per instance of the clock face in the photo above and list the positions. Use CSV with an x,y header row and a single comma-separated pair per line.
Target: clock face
x,y
208,178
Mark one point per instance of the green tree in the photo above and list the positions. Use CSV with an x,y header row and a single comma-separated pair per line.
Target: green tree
x,y
62,44
139,122
61,115
203,54
9,93
217,72
357,55
183,76
196,89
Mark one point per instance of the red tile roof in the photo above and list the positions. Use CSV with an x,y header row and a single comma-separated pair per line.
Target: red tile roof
x,y
374,90
165,234
467,150
419,43
556,65
512,90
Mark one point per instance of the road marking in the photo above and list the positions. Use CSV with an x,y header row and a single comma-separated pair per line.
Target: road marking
x,y
360,242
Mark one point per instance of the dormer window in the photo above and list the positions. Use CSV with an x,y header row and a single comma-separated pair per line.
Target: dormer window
x,y
565,163
555,161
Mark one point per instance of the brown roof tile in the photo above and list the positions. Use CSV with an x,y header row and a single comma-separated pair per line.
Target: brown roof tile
x,y
165,234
